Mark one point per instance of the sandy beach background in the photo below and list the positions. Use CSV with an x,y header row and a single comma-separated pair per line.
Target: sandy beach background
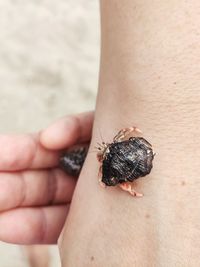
x,y
49,59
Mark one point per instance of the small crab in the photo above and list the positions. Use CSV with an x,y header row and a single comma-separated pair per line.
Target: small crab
x,y
71,161
125,160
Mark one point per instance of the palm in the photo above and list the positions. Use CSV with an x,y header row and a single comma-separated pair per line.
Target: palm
x,y
34,193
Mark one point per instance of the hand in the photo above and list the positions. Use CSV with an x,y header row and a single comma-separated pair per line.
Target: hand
x,y
35,194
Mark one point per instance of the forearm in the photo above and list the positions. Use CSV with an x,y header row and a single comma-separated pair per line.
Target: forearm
x,y
150,51
148,78
150,72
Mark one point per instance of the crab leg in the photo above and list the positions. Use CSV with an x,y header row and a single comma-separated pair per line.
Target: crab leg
x,y
128,187
124,132
100,178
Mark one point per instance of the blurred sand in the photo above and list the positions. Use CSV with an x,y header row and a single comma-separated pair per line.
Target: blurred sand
x,y
49,57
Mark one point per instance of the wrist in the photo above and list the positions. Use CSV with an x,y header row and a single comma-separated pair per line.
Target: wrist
x,y
172,127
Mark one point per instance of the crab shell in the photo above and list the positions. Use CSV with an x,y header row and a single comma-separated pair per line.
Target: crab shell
x,y
125,160
71,161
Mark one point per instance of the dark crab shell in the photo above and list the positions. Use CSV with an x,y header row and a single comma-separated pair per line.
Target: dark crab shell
x,y
126,161
72,160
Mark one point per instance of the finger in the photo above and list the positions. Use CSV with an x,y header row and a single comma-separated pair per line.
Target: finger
x,y
68,131
20,152
35,188
37,255
33,225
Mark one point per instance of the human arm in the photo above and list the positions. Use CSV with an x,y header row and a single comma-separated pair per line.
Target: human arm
x,y
149,77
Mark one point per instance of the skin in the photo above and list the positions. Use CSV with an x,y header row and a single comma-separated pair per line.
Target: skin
x,y
35,195
149,78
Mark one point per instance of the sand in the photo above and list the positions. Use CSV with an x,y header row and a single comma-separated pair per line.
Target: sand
x,y
49,60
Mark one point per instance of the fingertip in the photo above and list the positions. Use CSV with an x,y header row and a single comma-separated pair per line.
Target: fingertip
x,y
68,131
60,134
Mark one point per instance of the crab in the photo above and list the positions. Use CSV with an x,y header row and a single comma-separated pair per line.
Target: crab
x,y
125,160
72,160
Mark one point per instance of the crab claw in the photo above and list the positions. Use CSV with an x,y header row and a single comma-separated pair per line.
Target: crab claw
x,y
102,184
137,130
128,187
